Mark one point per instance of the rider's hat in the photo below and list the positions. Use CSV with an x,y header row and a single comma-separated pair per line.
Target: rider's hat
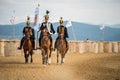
x,y
28,22
47,16
60,21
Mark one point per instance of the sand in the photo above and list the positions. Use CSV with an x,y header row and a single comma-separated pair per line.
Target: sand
x,y
87,66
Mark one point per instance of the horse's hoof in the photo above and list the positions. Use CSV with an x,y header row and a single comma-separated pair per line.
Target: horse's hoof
x,y
52,49
19,48
38,48
26,62
49,61
33,52
44,66
49,64
61,63
35,49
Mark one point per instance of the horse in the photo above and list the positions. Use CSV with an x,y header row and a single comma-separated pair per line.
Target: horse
x,y
61,48
27,47
45,47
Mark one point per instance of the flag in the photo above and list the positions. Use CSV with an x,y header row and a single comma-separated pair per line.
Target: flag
x,y
35,20
102,27
69,23
36,15
37,10
12,20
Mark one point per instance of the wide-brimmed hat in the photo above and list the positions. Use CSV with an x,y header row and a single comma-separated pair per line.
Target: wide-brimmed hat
x,y
61,20
28,22
47,16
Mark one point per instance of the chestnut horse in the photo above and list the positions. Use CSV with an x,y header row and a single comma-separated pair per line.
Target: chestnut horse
x,y
61,48
45,47
27,47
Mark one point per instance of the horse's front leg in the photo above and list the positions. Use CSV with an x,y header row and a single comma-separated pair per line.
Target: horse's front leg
x,y
26,56
62,58
46,57
57,57
43,57
49,60
31,57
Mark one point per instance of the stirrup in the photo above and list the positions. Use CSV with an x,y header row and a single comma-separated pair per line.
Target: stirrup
x,y
19,48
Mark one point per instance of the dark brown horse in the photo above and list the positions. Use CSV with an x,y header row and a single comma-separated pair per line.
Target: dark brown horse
x,y
45,48
61,48
27,47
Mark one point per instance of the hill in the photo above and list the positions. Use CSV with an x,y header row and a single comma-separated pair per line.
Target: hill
x,y
115,26
82,31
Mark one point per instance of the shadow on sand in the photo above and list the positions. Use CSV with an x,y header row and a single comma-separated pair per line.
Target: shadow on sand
x,y
18,65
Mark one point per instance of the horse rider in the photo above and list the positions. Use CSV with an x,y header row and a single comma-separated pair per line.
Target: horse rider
x,y
29,29
61,29
49,28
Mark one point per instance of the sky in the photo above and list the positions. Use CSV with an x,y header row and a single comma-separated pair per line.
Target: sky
x,y
86,11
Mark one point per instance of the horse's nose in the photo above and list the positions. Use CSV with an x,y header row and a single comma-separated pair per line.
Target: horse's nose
x,y
28,38
44,30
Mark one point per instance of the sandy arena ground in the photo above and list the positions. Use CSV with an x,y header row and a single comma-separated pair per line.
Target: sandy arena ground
x,y
77,67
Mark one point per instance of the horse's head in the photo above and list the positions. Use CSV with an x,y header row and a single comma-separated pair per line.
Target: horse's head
x,y
27,35
61,36
44,32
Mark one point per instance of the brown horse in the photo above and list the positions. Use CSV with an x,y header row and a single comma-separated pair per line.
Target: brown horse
x,y
27,47
61,48
45,48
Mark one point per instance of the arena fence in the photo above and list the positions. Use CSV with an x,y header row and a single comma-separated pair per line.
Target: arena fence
x,y
9,47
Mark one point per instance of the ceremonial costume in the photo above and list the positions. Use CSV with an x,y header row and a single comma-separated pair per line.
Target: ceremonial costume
x,y
62,29
26,29
49,28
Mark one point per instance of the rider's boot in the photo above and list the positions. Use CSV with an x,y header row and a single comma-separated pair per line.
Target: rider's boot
x,y
21,43
67,46
39,43
33,45
55,46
